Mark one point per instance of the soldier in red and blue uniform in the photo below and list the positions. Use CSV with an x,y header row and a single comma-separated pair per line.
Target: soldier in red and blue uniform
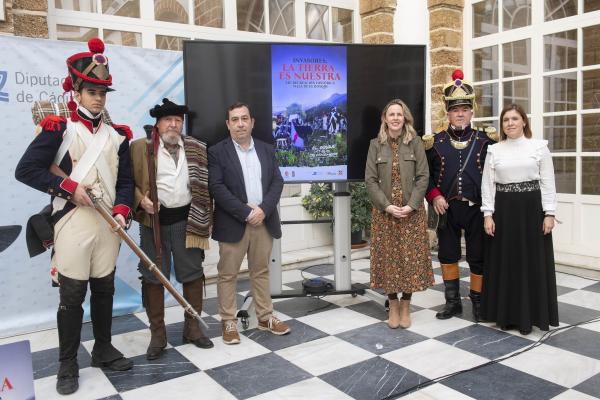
x,y
456,158
68,159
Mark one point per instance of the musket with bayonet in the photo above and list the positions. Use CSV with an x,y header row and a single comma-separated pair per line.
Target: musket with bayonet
x,y
148,263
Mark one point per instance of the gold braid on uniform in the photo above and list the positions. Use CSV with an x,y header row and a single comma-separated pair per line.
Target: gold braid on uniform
x,y
492,133
428,141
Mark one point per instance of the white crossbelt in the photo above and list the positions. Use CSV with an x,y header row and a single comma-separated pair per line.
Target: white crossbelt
x,y
94,145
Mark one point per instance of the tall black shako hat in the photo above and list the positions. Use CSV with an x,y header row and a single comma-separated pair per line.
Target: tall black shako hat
x,y
458,92
167,108
87,70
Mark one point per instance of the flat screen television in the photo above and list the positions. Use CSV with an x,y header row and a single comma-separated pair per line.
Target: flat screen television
x,y
318,104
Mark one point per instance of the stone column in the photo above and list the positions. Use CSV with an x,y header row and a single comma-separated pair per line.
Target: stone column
x,y
445,51
377,20
26,18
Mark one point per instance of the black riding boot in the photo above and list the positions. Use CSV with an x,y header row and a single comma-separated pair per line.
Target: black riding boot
x,y
101,305
476,300
453,305
69,318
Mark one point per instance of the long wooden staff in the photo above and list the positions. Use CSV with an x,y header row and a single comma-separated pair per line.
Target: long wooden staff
x,y
116,227
154,218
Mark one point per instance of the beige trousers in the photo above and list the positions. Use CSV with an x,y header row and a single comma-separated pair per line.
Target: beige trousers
x,y
84,245
256,243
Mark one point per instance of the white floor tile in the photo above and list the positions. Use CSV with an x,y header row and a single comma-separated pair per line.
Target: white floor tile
x,y
360,264
222,353
555,365
572,281
337,321
38,341
324,355
573,395
295,275
437,391
188,387
425,323
93,384
433,359
581,298
345,300
308,389
428,298
131,344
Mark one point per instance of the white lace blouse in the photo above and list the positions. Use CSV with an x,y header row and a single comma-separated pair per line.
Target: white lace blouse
x,y
518,160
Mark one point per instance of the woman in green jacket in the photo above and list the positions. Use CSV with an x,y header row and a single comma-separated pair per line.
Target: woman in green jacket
x,y
396,176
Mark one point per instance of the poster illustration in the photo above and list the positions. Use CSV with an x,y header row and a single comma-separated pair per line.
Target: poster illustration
x,y
309,111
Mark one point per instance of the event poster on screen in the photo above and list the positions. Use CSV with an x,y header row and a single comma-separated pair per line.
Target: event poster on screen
x,y
310,122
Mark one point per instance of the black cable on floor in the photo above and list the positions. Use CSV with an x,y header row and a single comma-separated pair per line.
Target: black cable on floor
x,y
539,342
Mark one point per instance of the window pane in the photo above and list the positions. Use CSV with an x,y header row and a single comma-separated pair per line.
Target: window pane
x,y
485,63
561,132
75,33
132,39
591,5
317,21
564,174
517,92
208,13
487,98
560,92
590,128
590,175
591,45
516,58
76,5
556,9
281,17
517,13
342,31
169,42
171,11
251,16
123,8
560,50
485,18
591,89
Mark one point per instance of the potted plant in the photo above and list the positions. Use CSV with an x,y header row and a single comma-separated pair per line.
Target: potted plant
x,y
319,204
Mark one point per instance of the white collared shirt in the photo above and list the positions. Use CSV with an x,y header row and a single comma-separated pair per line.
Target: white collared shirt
x,y
252,172
172,181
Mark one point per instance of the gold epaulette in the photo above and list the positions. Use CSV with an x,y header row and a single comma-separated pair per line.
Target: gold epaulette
x,y
492,133
428,141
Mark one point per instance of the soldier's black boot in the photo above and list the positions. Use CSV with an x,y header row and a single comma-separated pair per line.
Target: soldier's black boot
x,y
104,353
69,318
475,295
476,300
192,333
453,304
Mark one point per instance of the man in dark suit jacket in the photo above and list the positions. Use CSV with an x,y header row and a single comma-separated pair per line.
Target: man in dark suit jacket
x,y
245,182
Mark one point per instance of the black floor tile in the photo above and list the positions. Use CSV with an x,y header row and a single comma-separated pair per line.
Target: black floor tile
x,y
483,341
578,340
175,331
375,378
591,386
571,314
379,338
370,308
45,362
302,306
300,333
257,375
124,324
171,365
500,382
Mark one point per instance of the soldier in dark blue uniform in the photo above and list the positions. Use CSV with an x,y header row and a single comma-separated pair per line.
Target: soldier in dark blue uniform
x,y
456,158
68,158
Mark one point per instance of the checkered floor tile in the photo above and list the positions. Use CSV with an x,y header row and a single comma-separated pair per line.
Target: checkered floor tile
x,y
341,348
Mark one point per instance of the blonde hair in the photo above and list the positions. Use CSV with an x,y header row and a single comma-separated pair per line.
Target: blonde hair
x,y
408,131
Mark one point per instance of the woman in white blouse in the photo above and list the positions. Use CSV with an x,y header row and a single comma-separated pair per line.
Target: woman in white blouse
x,y
518,204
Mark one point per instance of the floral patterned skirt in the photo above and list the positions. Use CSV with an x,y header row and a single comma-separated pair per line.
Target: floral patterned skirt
x,y
400,255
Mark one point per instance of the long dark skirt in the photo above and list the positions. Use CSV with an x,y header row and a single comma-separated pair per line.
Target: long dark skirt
x,y
519,284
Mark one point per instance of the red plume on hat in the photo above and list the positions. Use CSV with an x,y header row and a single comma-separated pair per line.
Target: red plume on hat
x,y
87,69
